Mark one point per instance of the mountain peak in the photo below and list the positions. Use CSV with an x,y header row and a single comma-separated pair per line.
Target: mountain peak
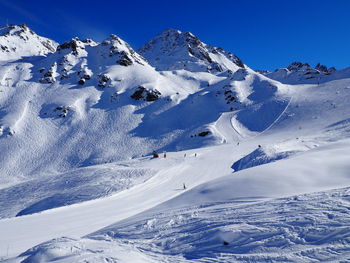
x,y
17,41
297,66
174,50
300,72
171,34
14,29
319,68
75,44
171,31
117,47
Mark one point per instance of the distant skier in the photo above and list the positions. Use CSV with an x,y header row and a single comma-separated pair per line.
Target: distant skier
x,y
184,155
184,186
195,155
165,155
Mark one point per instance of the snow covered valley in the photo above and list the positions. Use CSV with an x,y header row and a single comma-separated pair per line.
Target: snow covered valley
x,y
250,168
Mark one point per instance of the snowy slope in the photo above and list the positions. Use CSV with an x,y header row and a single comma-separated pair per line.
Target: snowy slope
x,y
307,172
195,225
77,185
78,127
80,132
19,41
70,124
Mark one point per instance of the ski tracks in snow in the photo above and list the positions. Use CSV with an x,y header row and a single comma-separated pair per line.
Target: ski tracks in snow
x,y
302,228
81,219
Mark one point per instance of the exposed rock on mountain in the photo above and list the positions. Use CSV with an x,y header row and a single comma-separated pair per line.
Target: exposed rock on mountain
x,y
74,46
299,72
145,94
121,51
18,41
173,50
79,61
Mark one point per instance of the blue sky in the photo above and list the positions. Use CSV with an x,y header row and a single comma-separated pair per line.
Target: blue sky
x,y
264,34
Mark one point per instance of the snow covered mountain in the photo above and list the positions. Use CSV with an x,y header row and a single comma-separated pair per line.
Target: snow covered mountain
x,y
17,41
303,73
174,50
79,122
74,107
91,103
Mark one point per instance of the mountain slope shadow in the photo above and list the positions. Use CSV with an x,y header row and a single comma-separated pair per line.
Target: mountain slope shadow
x,y
191,115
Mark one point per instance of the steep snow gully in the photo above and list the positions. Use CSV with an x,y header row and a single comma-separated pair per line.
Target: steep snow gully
x,y
252,167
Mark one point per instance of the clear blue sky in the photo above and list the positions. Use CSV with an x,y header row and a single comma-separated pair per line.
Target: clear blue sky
x,y
264,34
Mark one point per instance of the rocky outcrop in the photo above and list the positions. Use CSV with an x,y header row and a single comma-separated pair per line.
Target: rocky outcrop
x,y
142,93
299,72
48,75
298,66
203,133
124,60
84,74
104,79
307,69
74,45
62,111
114,47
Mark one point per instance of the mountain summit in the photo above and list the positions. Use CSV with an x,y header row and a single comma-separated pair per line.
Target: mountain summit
x,y
17,41
174,50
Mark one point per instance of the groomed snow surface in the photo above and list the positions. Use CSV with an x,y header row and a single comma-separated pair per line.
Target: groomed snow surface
x,y
255,170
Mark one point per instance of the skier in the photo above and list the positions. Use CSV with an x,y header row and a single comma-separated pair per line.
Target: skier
x,y
184,186
184,155
195,155
165,155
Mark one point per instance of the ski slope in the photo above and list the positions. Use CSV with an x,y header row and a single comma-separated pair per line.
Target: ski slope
x,y
251,185
81,219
